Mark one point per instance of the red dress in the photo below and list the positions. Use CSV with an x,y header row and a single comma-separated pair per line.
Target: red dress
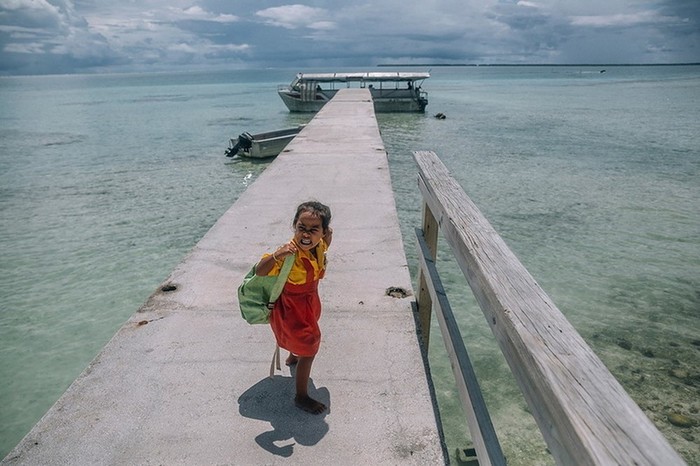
x,y
294,319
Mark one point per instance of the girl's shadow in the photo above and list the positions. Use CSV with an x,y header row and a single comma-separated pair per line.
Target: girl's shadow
x,y
272,400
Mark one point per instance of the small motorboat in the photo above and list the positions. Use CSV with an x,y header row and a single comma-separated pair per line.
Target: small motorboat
x,y
262,145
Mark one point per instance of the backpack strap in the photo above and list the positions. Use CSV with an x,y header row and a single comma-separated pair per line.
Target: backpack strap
x,y
274,294
275,361
281,278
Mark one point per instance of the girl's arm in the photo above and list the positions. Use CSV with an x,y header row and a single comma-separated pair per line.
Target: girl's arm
x,y
268,262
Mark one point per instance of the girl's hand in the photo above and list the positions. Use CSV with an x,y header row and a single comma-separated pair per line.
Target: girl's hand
x,y
267,263
285,250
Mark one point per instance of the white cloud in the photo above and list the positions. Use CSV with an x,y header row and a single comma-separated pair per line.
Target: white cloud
x,y
25,47
182,47
632,19
322,25
296,16
31,13
27,5
197,13
528,4
230,48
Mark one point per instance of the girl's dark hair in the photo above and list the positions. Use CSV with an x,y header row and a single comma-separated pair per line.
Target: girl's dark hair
x,y
317,209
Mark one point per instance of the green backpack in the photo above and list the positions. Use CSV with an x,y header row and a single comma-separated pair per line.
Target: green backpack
x,y
257,294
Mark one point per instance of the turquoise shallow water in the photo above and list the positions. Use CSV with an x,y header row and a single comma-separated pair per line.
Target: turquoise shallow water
x,y
591,178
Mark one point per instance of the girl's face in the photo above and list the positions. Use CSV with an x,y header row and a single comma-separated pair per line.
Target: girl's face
x,y
308,231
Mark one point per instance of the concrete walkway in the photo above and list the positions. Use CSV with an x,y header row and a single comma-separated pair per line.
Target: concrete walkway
x,y
185,380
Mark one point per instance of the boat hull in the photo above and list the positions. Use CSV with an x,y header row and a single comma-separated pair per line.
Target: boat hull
x,y
295,104
262,145
266,148
396,101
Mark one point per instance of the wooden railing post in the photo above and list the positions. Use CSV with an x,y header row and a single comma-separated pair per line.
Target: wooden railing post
x,y
425,303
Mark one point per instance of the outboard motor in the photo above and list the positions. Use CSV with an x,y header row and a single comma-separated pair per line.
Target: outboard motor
x,y
232,148
245,142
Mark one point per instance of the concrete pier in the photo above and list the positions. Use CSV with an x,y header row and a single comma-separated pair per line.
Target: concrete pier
x,y
185,380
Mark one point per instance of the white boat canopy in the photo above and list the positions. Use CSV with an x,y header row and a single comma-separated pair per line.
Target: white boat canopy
x,y
372,76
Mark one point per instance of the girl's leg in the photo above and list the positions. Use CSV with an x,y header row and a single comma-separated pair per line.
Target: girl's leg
x,y
291,359
302,398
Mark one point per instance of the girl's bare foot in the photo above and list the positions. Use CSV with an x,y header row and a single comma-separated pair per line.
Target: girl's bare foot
x,y
291,360
309,405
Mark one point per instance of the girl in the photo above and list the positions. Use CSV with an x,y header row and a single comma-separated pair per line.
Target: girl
x,y
294,319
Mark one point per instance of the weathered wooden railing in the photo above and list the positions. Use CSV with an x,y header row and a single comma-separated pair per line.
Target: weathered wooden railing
x,y
584,414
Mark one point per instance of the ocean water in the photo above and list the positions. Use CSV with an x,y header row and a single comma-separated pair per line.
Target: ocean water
x,y
593,180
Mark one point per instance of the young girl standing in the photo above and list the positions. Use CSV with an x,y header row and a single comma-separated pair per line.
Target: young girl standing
x,y
294,319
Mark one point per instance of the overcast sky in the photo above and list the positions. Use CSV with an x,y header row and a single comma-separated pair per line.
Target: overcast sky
x,y
76,36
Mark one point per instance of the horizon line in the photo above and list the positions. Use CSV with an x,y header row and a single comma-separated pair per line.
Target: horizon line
x,y
538,64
